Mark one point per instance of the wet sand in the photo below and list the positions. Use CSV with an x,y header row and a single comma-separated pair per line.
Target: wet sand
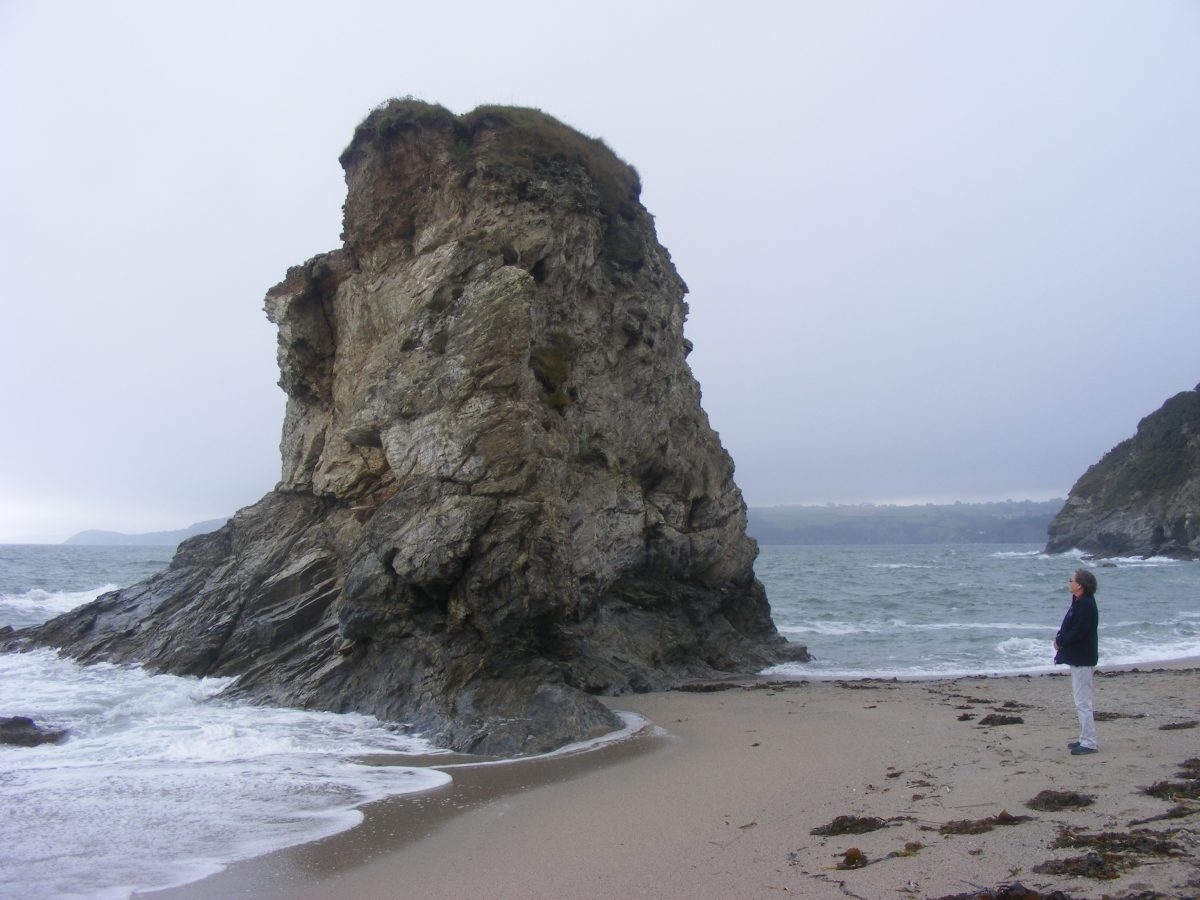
x,y
720,801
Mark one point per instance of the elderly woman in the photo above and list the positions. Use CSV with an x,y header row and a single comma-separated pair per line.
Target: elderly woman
x,y
1077,645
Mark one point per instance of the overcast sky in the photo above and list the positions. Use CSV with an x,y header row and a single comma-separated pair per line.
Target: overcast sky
x,y
935,250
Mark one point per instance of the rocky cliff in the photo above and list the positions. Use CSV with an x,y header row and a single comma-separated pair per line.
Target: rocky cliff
x,y
500,496
1143,497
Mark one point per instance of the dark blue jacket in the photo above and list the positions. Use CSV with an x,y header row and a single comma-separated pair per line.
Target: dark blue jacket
x,y
1078,637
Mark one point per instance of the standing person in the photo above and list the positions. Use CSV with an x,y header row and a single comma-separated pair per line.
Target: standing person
x,y
1077,645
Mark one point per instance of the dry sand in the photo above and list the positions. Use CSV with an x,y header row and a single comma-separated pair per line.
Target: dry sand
x,y
723,804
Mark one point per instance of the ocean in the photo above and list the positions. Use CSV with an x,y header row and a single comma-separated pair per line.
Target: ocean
x,y
930,610
161,783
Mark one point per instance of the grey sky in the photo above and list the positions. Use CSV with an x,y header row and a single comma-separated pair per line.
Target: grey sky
x,y
936,250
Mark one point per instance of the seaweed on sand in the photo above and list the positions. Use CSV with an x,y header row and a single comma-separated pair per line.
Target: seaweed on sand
x,y
979,826
1109,853
1140,840
1191,768
850,825
1001,719
1095,864
1014,891
1056,801
853,859
1178,811
1175,790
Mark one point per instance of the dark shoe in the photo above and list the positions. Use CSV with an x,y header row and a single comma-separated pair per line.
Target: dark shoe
x,y
1079,750
1073,745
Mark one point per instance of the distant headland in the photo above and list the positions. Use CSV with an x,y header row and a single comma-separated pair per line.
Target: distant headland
x,y
1143,497
1008,522
96,538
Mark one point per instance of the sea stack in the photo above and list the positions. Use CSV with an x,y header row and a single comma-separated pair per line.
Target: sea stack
x,y
500,496
1143,497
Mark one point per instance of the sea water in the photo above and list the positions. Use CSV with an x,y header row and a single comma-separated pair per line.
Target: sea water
x,y
161,782
912,611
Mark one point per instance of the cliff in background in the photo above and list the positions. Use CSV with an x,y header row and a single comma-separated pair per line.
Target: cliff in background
x,y
500,496
1143,497
97,538
1010,522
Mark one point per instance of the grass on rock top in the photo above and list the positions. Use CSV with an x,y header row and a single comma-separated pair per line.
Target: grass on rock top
x,y
524,137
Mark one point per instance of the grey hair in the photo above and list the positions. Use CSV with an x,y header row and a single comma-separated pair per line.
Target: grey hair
x,y
1086,580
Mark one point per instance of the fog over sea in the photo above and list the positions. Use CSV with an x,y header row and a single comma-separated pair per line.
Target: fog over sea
x,y
161,783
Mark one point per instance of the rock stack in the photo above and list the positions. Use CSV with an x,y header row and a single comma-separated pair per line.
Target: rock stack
x,y
500,496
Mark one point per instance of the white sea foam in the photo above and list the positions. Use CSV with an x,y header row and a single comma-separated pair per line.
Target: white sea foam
x,y
38,605
839,629
1073,553
159,783
1121,652
1138,561
1023,653
1092,561
631,724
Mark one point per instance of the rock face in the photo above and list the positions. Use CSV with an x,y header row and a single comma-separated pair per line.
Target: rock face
x,y
1143,497
500,496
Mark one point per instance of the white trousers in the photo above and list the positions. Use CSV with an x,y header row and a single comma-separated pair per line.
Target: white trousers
x,y
1081,686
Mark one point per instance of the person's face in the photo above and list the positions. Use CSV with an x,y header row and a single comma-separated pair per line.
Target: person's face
x,y
1074,587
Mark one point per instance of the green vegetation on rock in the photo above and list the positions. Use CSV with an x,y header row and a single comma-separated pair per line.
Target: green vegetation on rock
x,y
520,138
1160,458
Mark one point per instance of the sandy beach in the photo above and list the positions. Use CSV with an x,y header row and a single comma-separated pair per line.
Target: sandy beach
x,y
720,798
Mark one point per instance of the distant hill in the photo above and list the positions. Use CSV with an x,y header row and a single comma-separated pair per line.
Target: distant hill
x,y
1010,522
152,539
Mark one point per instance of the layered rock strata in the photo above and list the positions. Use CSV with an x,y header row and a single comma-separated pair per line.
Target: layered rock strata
x,y
500,496
1143,497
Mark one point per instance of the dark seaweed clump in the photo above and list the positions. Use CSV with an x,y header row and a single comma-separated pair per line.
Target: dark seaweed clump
x,y
1014,891
979,826
1178,726
1113,716
1109,853
853,859
1140,840
1056,801
850,825
1001,719
1175,790
1190,768
1101,866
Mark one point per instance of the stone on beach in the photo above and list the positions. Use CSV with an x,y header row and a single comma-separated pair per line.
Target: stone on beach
x,y
22,731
